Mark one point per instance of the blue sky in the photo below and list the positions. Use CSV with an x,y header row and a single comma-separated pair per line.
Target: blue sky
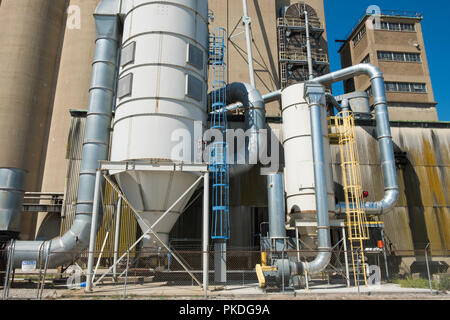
x,y
342,15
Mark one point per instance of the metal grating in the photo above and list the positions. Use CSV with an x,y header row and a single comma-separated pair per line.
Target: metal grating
x,y
195,56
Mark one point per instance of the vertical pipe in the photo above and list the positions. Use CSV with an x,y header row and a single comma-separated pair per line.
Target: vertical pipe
x,y
95,214
275,195
117,235
220,261
428,268
384,254
315,95
248,36
347,272
308,46
205,233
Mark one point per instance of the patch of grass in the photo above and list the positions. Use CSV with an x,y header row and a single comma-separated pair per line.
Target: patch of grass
x,y
420,283
444,283
416,283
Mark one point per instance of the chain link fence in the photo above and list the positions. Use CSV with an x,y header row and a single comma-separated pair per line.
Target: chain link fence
x,y
159,269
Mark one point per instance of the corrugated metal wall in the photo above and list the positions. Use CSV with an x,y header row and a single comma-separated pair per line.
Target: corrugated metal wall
x,y
128,221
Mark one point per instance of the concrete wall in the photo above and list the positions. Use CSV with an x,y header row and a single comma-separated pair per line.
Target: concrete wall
x,y
72,90
402,106
29,53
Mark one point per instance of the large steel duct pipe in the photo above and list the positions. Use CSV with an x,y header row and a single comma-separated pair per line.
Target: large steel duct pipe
x,y
246,156
268,97
315,96
95,148
383,131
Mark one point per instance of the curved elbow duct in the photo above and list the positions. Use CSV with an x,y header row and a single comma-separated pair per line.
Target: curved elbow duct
x,y
95,147
255,120
383,132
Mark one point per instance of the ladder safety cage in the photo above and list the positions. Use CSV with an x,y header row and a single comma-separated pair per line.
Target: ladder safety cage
x,y
342,132
218,164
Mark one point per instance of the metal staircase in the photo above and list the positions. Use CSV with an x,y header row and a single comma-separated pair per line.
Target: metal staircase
x,y
218,166
342,132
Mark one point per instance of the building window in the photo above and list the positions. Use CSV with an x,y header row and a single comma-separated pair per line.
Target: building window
x,y
366,59
403,87
419,87
412,57
406,87
359,35
398,56
408,27
392,26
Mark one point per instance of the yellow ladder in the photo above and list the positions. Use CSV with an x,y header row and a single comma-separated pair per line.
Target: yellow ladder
x,y
342,132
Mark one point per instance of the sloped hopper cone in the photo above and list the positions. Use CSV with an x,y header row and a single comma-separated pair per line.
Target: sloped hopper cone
x,y
151,194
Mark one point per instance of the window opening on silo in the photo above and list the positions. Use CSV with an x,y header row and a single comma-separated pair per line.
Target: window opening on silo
x,y
124,86
195,56
194,88
128,53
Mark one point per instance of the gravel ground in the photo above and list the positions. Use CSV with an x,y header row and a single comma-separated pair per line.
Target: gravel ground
x,y
28,291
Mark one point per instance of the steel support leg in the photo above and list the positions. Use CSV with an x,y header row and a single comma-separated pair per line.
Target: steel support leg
x,y
384,254
206,234
347,272
96,208
220,261
117,236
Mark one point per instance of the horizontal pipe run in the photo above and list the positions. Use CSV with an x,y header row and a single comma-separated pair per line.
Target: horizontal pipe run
x,y
251,100
267,98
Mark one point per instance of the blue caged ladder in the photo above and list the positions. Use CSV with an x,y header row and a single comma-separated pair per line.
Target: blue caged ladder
x,y
218,166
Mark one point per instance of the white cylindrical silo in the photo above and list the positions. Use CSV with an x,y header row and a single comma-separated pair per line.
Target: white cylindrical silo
x,y
299,162
162,92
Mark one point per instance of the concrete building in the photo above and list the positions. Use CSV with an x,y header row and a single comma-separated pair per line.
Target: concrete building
x,y
394,42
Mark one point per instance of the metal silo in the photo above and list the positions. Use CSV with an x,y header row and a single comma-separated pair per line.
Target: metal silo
x,y
162,92
299,173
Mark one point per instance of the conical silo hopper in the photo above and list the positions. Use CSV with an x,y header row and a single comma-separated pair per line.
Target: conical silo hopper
x,y
161,105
